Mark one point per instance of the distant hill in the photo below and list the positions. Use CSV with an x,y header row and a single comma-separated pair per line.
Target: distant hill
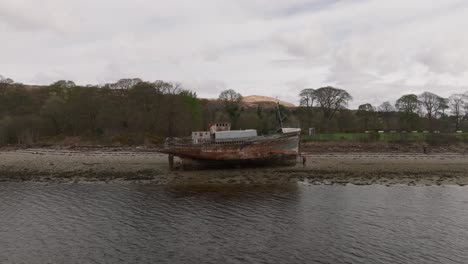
x,y
265,101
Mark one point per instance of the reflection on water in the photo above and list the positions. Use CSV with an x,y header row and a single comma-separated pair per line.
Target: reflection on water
x,y
85,223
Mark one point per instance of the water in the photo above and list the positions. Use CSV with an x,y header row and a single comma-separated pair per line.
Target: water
x,y
113,223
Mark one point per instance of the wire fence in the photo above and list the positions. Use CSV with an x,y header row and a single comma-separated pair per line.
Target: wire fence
x,y
408,137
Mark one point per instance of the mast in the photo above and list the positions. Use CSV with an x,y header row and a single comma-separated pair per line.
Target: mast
x,y
279,115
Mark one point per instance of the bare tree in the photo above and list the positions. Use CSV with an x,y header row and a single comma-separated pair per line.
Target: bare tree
x,y
331,99
125,84
162,86
64,84
408,105
230,96
172,90
232,100
465,105
307,100
6,80
444,105
386,109
307,97
366,108
169,88
367,113
457,103
433,104
53,110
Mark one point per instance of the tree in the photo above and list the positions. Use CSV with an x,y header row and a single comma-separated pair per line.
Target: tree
x,y
165,87
230,96
231,101
465,105
171,91
193,105
6,80
366,108
125,84
457,103
15,99
433,104
307,100
386,109
82,109
53,110
330,100
408,105
61,88
172,88
307,97
64,84
367,113
444,105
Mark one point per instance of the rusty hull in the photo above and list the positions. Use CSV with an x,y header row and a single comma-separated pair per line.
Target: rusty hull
x,y
268,150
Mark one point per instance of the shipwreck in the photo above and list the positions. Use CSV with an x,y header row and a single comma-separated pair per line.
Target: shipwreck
x,y
220,146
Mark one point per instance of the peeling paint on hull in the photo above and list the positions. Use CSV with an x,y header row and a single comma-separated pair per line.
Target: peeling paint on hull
x,y
267,150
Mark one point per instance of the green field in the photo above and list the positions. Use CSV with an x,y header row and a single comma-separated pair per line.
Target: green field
x,y
409,137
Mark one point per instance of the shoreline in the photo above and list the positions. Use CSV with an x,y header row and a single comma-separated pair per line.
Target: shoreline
x,y
131,165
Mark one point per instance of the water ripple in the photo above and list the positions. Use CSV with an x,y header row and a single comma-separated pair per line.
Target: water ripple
x,y
95,223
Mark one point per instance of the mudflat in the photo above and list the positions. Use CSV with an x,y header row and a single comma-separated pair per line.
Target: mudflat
x,y
143,164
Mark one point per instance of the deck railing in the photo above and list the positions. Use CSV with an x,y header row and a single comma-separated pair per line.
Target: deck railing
x,y
188,142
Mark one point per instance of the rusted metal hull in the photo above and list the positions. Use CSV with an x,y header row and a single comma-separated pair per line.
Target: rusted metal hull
x,y
264,150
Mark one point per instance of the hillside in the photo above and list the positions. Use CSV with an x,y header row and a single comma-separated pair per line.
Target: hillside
x,y
264,101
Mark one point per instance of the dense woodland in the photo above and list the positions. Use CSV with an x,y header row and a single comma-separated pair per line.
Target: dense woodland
x,y
132,111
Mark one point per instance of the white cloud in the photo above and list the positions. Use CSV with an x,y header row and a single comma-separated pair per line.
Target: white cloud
x,y
376,49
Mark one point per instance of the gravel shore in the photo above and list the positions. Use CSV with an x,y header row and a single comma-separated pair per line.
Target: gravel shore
x,y
147,165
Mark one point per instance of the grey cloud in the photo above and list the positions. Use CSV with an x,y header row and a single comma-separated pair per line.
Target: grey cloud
x,y
310,43
32,16
212,88
372,48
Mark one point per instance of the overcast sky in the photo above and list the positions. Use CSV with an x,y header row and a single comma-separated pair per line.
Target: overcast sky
x,y
375,49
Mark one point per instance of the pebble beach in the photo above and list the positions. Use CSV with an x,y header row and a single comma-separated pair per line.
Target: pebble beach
x,y
147,165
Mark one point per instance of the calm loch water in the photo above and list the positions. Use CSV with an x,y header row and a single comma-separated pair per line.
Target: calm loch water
x,y
114,223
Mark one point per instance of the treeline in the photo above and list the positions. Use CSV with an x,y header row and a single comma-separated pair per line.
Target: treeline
x,y
133,111
326,110
130,111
